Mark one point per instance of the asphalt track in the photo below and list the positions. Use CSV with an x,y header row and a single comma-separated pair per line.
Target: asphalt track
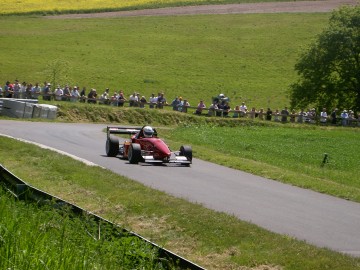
x,y
319,219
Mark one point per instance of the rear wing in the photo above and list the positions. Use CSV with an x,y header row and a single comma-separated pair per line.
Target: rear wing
x,y
122,130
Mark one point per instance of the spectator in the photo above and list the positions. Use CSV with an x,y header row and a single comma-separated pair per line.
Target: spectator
x,y
243,110
200,107
268,114
17,89
184,106
261,114
59,93
180,105
67,93
301,116
1,92
333,116
104,98
8,90
292,116
323,116
137,103
75,95
36,91
284,114
175,103
236,112
351,117
153,101
212,109
114,99
22,91
161,101
83,95
143,101
28,91
92,96
220,109
253,113
308,116
46,92
312,116
277,116
121,98
133,99
226,108
344,117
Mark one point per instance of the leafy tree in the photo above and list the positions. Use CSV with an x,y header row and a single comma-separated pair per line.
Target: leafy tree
x,y
330,70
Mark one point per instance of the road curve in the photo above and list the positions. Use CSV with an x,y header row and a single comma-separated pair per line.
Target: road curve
x,y
319,219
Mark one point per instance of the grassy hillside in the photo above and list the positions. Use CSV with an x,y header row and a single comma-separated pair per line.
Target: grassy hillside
x,y
247,57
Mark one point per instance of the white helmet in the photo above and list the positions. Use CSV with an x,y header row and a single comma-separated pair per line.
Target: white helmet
x,y
148,131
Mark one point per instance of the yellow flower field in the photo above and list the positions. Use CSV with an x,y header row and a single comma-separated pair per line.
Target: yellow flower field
x,y
62,6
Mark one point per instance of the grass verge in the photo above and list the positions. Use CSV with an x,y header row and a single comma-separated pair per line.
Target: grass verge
x,y
43,237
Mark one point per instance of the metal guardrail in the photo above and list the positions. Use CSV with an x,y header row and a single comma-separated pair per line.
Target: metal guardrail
x,y
24,191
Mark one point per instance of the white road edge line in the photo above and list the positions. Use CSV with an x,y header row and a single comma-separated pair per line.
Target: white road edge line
x,y
86,162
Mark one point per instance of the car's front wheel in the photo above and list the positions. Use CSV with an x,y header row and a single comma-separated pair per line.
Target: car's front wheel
x,y
112,146
186,151
134,155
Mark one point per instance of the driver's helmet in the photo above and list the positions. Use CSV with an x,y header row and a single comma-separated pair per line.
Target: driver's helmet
x,y
148,131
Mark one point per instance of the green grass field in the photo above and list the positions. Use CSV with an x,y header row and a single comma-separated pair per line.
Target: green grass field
x,y
247,57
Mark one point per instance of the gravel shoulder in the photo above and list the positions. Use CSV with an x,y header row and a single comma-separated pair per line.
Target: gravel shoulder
x,y
268,7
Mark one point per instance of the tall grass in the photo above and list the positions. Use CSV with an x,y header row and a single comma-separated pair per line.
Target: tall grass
x,y
33,237
247,57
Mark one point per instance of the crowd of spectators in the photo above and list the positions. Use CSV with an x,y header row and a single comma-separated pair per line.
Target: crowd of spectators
x,y
220,105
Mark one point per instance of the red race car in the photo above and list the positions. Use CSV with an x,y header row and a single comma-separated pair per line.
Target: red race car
x,y
144,146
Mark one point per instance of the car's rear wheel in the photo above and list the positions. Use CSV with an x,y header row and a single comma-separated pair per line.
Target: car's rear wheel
x,y
134,154
186,151
112,146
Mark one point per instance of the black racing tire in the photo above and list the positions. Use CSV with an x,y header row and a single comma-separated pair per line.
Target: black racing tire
x,y
112,146
134,155
186,151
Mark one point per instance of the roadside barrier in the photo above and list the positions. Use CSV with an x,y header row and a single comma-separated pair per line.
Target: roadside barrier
x,y
23,191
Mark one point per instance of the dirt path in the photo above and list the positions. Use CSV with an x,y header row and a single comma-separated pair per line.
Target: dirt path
x,y
269,7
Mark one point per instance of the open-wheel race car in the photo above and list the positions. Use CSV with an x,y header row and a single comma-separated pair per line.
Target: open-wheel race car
x,y
144,146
